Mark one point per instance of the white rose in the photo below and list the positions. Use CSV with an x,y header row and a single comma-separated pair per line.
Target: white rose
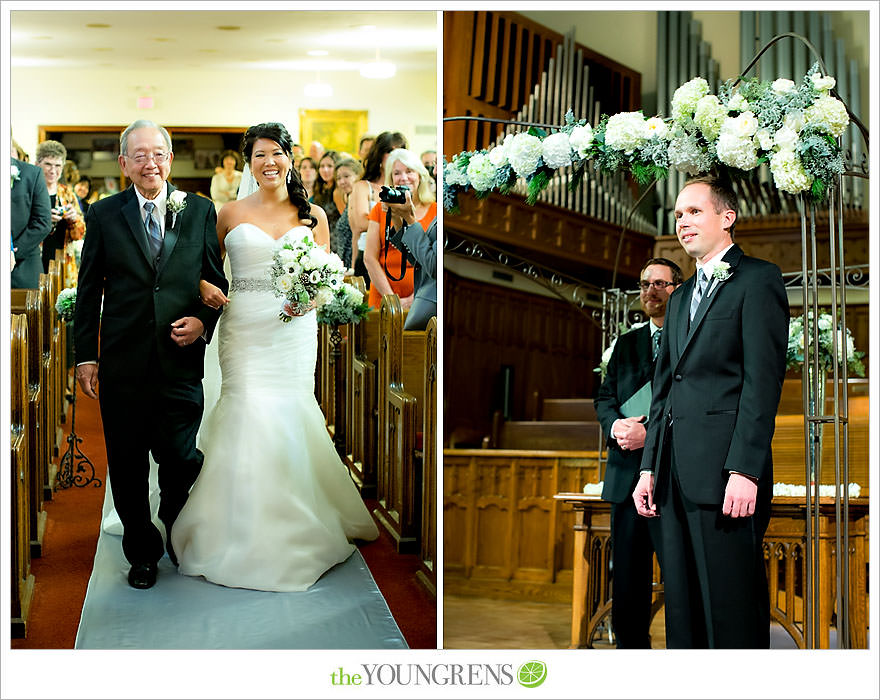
x,y
498,156
785,138
782,85
745,125
176,200
764,139
323,296
822,83
580,139
794,120
556,150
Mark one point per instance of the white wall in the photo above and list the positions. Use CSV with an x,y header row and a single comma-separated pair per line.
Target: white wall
x,y
405,103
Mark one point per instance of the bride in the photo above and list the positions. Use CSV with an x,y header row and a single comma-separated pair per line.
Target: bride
x,y
273,507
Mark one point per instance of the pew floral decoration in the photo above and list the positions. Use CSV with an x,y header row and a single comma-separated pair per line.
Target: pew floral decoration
x,y
825,490
792,127
602,368
65,304
794,356
346,306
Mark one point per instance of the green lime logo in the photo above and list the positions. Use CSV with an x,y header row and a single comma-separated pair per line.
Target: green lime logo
x,y
531,674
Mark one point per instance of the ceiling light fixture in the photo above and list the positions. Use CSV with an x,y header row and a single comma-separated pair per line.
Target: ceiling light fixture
x,y
378,69
317,52
318,89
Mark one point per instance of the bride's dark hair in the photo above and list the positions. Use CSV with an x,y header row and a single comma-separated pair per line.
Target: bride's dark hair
x,y
276,132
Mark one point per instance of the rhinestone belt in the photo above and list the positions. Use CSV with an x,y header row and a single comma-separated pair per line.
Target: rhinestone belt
x,y
247,284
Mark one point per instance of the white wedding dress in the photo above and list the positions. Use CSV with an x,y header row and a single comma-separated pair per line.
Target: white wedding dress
x,y
273,507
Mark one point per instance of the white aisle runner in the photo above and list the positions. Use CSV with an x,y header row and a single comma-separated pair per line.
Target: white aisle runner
x,y
343,610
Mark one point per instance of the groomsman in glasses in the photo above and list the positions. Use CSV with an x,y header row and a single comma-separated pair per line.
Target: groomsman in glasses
x,y
622,406
707,470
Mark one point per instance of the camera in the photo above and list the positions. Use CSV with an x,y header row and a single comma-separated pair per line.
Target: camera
x,y
393,195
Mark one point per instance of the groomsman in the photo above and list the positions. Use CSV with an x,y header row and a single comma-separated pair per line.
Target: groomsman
x,y
622,405
145,251
707,468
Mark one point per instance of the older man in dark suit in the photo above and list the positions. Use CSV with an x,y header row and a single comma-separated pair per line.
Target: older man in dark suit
x,y
707,468
145,251
622,405
31,222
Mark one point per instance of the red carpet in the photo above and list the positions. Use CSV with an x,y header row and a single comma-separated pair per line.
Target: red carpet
x,y
61,575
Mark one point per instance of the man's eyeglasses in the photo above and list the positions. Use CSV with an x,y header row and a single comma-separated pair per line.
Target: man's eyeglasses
x,y
143,158
659,285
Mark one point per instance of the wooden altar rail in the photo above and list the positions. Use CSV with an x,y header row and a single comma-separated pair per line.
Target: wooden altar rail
x,y
22,581
400,402
29,303
784,557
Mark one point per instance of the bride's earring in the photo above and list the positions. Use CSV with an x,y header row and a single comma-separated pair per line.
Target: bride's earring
x,y
289,175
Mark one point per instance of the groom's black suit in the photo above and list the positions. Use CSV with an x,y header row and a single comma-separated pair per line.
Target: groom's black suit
x,y
150,388
630,367
715,394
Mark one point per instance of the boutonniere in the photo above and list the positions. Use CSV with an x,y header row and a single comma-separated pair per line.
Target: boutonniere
x,y
16,175
176,204
721,271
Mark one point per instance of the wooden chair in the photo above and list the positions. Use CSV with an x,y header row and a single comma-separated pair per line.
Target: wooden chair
x,y
22,581
427,573
27,302
399,397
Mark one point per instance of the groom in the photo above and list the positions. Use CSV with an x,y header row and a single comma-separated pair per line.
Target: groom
x,y
706,467
145,251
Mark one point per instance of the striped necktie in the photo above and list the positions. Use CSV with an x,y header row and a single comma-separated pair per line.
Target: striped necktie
x,y
154,233
699,291
655,340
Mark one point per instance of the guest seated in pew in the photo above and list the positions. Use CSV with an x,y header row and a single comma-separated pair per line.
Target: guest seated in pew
x,y
389,271
419,245
622,406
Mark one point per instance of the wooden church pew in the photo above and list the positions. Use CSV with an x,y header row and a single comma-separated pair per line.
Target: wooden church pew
x,y
427,573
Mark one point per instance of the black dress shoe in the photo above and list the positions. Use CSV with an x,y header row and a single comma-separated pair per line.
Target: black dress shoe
x,y
171,555
142,575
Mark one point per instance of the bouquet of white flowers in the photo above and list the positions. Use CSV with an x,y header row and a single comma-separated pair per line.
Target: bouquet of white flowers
x,y
65,304
346,306
846,350
304,275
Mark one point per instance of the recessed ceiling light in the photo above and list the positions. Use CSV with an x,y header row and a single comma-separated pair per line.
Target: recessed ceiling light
x,y
317,52
98,25
228,28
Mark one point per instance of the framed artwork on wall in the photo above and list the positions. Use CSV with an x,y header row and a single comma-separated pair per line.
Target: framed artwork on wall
x,y
335,129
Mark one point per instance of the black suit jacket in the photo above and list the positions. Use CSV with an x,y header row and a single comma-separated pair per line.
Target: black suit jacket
x,y
719,382
629,368
31,222
140,299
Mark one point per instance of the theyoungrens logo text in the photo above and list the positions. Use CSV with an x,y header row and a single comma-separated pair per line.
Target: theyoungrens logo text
x,y
530,674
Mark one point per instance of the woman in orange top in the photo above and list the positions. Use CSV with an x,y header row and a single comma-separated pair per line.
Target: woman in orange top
x,y
402,167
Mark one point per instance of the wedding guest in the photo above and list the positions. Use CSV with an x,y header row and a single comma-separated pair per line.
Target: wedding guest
x,y
429,160
297,153
70,173
68,223
30,223
84,192
364,146
224,185
622,405
707,468
19,153
366,193
325,194
308,173
316,150
348,171
389,272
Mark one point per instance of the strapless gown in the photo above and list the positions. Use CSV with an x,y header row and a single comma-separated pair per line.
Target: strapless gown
x,y
273,507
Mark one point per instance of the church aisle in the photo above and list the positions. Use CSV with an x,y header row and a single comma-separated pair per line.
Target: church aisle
x,y
71,539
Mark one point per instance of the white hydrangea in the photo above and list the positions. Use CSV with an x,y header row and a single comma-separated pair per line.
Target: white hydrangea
x,y
828,113
788,172
655,127
785,138
524,152
782,85
352,293
764,139
738,103
557,150
626,131
580,139
709,114
684,99
453,175
822,83
481,172
737,151
498,156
